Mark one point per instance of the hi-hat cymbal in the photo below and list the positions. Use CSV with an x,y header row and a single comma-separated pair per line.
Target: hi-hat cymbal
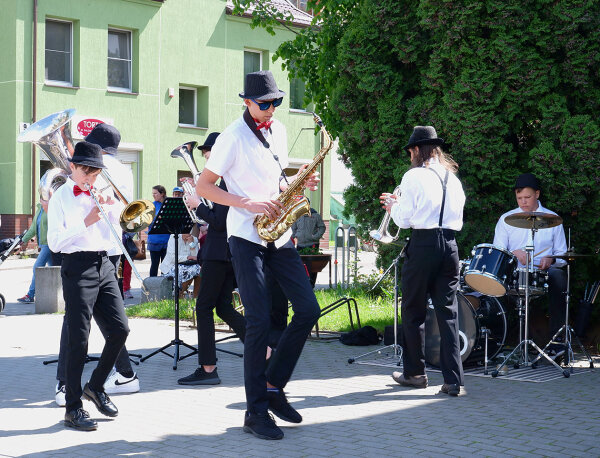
x,y
533,220
570,256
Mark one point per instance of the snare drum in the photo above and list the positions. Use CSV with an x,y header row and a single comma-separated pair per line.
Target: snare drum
x,y
491,270
538,282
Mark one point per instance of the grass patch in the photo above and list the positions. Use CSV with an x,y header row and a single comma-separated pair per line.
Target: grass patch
x,y
376,311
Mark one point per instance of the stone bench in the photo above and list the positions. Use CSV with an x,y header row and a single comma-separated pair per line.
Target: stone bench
x,y
159,288
48,290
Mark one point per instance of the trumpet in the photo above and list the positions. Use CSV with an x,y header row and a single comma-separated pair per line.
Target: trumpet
x,y
382,234
185,152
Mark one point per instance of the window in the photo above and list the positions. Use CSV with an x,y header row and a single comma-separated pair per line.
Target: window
x,y
193,106
59,55
252,61
187,106
119,60
297,90
300,4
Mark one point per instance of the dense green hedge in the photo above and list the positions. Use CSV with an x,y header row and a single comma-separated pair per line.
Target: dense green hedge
x,y
513,85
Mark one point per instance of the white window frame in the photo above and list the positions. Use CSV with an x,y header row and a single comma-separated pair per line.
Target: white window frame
x,y
58,82
260,56
195,91
122,89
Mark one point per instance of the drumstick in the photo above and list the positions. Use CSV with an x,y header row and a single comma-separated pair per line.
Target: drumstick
x,y
540,252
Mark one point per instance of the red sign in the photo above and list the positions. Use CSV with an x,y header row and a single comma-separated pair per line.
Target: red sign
x,y
85,126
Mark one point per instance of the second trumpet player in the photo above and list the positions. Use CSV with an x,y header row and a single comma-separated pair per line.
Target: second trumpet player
x,y
430,202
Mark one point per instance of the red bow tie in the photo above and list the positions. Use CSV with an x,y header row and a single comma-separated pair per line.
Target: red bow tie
x,y
77,190
264,125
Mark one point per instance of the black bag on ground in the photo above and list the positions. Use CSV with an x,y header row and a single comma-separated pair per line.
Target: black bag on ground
x,y
367,335
388,335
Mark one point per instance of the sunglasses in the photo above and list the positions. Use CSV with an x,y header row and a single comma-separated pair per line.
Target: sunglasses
x,y
265,105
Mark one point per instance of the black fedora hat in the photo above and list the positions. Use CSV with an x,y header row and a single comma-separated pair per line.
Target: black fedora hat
x,y
261,85
527,180
210,141
89,154
105,135
424,135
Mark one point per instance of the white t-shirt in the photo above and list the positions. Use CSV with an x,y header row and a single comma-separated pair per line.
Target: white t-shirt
x,y
251,171
420,202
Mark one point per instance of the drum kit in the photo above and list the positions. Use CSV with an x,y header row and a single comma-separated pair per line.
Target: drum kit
x,y
492,273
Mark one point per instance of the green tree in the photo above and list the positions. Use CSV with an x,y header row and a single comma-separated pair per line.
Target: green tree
x,y
512,85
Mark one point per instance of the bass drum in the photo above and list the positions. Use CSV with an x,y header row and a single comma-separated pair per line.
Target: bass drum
x,y
476,313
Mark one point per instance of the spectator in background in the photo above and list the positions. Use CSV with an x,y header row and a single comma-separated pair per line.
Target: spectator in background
x,y
177,191
157,243
189,269
39,230
307,231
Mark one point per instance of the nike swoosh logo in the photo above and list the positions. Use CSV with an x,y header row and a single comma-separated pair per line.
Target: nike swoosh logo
x,y
124,383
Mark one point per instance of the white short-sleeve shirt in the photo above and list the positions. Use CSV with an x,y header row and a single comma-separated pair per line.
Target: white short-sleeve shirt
x,y
250,170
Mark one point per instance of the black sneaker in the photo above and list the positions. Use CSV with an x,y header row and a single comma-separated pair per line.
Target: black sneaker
x,y
201,377
262,426
450,388
279,405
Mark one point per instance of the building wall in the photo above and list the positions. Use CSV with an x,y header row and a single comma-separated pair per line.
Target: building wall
x,y
182,42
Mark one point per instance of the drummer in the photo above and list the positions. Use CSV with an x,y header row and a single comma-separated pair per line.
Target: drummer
x,y
547,242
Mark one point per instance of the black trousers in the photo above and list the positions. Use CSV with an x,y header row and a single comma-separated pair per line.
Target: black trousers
x,y
431,268
218,282
123,364
90,289
156,258
249,260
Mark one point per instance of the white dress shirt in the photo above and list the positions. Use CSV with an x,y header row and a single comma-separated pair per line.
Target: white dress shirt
x,y
183,250
251,171
67,232
546,242
122,177
420,202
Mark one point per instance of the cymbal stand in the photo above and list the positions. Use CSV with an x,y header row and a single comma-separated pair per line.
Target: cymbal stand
x,y
569,333
523,345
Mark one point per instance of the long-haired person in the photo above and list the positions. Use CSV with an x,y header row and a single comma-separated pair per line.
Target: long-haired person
x,y
157,243
431,204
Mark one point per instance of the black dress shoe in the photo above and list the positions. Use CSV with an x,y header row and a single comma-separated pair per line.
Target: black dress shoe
x,y
101,400
451,389
279,405
80,419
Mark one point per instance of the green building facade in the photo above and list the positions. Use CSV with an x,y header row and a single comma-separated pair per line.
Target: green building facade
x,y
163,72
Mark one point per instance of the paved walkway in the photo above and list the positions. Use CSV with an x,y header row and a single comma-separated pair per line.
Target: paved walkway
x,y
349,410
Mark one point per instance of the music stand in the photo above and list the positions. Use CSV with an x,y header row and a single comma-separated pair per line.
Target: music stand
x,y
173,218
397,355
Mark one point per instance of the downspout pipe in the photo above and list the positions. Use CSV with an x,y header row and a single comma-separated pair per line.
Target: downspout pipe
x,y
34,105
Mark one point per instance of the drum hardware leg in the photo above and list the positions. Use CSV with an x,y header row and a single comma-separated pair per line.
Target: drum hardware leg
x,y
526,341
569,333
397,355
486,332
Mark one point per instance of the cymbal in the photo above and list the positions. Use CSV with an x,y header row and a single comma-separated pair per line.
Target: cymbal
x,y
570,256
533,220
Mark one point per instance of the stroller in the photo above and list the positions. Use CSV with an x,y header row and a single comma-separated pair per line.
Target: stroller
x,y
7,246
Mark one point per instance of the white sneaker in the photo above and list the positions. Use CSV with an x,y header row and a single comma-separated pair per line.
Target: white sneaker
x,y
117,383
60,396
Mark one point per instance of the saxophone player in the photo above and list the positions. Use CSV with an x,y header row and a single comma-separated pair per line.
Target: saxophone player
x,y
250,155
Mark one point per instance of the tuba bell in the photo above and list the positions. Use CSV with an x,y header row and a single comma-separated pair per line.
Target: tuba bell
x,y
382,234
53,135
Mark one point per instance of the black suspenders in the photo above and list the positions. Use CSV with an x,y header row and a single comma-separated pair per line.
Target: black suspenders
x,y
444,183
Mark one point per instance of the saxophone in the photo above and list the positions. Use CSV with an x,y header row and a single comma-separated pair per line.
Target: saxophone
x,y
295,204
